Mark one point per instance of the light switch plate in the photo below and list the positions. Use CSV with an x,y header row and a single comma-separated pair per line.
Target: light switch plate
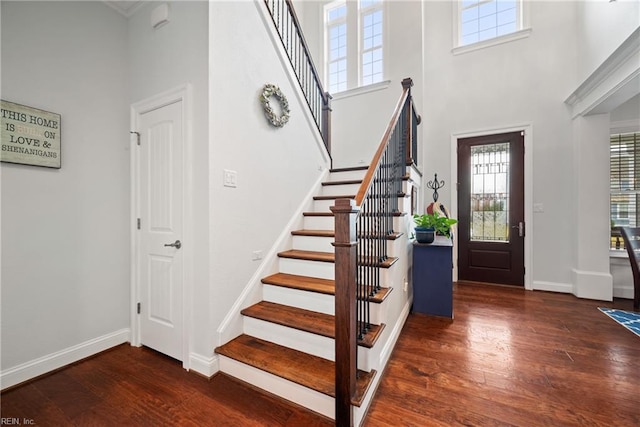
x,y
230,178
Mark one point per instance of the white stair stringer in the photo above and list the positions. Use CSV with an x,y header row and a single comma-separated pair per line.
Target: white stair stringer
x,y
306,397
392,311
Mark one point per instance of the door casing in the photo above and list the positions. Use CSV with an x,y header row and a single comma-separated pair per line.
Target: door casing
x,y
528,191
179,94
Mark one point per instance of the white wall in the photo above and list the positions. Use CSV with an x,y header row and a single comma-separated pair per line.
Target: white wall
x,y
65,233
602,27
359,120
160,60
509,85
276,167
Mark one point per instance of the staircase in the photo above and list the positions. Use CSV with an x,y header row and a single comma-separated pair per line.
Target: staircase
x,y
287,345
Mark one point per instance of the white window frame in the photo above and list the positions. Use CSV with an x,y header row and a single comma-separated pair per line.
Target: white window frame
x,y
523,29
327,27
628,126
354,44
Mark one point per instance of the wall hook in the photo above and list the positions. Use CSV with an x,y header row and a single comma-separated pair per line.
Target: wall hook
x,y
435,185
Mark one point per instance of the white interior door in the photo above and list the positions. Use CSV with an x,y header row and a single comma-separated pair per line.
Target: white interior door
x,y
160,204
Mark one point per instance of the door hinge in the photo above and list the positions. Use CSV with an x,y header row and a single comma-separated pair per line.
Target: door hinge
x,y
137,136
138,223
138,308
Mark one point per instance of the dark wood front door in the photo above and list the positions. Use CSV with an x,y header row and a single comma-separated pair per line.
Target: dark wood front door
x,y
491,208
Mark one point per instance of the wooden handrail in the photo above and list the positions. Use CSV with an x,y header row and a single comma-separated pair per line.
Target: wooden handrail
x,y
362,227
368,178
314,70
287,25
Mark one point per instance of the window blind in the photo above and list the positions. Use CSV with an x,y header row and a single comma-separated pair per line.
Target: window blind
x,y
625,183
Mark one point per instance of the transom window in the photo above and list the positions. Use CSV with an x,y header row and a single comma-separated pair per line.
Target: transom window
x,y
354,37
481,20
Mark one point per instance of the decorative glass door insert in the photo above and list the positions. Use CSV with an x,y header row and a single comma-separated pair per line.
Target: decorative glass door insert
x,y
490,192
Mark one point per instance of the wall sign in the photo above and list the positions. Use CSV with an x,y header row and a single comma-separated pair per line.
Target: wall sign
x,y
29,136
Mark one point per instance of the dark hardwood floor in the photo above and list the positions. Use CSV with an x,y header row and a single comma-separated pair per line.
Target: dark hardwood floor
x,y
513,357
510,357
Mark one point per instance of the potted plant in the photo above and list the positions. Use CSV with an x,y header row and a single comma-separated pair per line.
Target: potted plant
x,y
430,224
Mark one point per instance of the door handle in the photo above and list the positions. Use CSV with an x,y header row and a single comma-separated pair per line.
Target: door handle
x,y
177,244
520,228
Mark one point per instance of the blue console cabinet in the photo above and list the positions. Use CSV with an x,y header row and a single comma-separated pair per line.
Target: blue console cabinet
x,y
432,278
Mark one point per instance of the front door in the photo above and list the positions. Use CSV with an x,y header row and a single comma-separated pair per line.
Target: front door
x,y
491,209
160,226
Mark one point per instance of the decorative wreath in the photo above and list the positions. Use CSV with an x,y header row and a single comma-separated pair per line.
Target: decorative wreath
x,y
268,91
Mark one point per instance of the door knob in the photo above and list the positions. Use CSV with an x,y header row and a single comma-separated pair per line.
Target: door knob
x,y
177,244
520,228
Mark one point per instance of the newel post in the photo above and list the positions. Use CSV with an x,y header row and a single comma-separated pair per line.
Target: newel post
x,y
345,213
407,84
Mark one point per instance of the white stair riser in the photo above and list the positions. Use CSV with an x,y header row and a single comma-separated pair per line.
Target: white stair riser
x,y
325,205
328,222
302,267
324,244
313,243
344,176
325,270
286,389
319,222
306,342
321,303
340,189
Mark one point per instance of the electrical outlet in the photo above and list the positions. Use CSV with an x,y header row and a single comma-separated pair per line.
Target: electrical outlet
x,y
230,178
256,255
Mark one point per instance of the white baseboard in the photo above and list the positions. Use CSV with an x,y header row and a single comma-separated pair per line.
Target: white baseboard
x,y
42,365
566,288
593,285
207,366
385,354
623,292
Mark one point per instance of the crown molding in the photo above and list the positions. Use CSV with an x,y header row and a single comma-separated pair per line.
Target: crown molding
x,y
124,7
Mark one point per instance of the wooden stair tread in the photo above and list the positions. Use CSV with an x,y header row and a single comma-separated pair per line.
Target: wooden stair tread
x,y
317,213
331,233
305,283
330,257
308,255
350,169
301,368
323,197
305,320
394,214
343,182
314,233
315,284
